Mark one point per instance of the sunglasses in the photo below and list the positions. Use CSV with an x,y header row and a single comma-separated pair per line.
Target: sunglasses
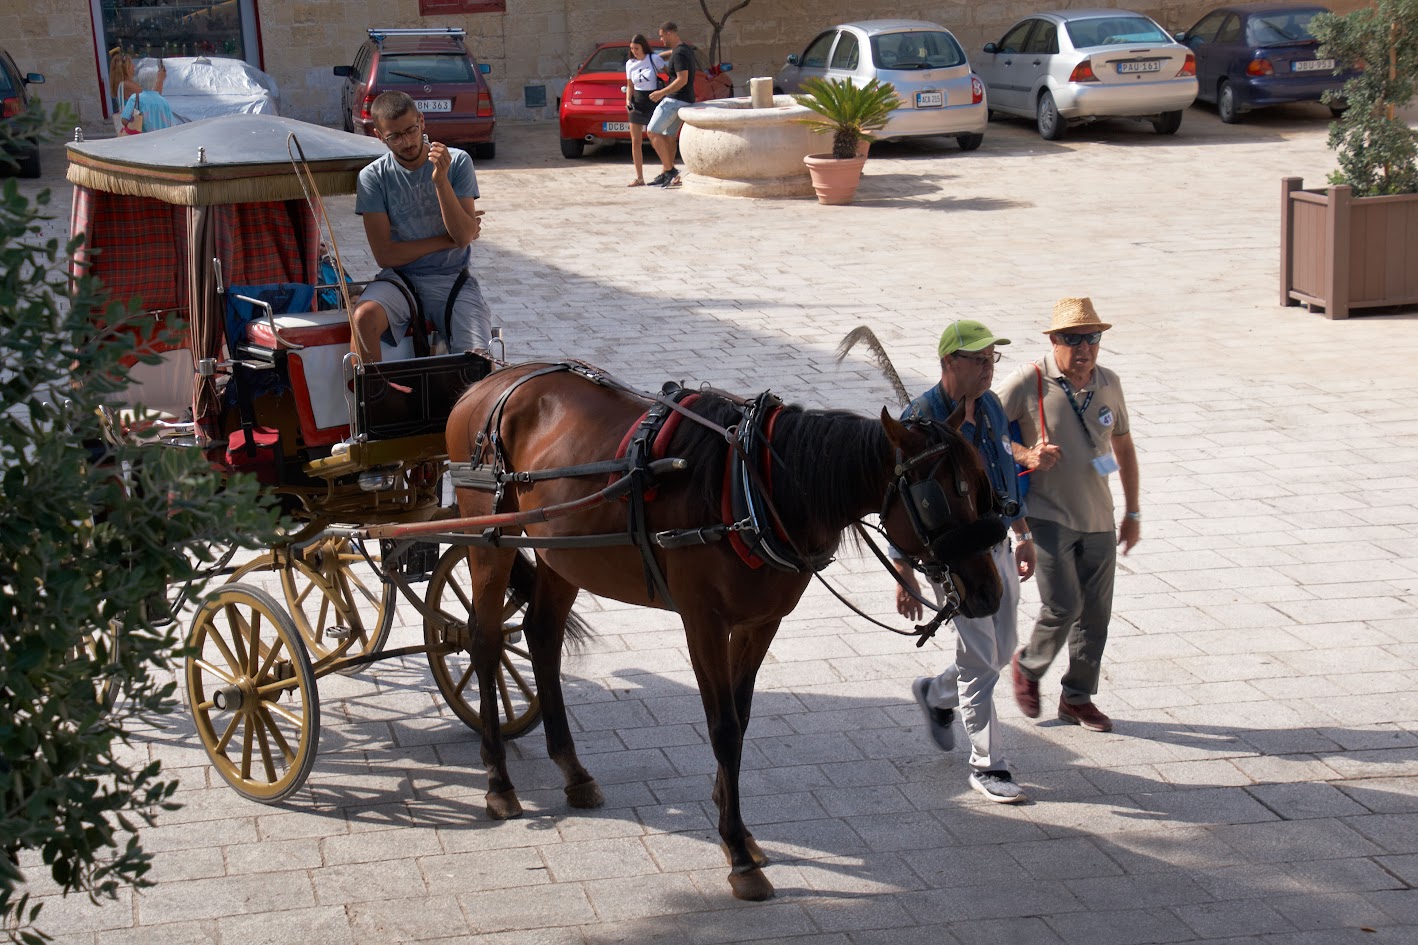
x,y
1073,339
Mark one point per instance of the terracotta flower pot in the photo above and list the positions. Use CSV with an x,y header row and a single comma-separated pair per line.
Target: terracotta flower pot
x,y
835,179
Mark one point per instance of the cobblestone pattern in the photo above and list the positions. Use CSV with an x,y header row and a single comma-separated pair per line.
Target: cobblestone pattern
x,y
1262,783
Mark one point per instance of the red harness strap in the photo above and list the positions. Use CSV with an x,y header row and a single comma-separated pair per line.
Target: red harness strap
x,y
661,445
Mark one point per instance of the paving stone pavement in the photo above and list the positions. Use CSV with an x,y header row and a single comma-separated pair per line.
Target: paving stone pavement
x,y
1261,785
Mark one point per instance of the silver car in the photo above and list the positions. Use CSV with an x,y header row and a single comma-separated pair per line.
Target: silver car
x,y
939,93
1076,66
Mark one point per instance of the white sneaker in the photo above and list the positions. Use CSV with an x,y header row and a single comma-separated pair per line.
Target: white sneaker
x,y
998,786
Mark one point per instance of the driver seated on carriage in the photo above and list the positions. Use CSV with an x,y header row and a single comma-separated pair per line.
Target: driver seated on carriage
x,y
418,207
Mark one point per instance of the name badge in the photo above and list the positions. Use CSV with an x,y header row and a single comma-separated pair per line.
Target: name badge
x,y
1105,464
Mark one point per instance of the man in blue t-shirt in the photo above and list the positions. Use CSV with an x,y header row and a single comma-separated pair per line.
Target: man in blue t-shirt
x,y
983,644
678,92
417,202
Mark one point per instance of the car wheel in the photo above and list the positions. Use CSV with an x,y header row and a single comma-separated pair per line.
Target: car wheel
x,y
485,152
572,147
1051,126
1167,123
1338,110
1226,103
969,142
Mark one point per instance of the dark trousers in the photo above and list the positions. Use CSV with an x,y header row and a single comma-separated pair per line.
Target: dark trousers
x,y
1075,575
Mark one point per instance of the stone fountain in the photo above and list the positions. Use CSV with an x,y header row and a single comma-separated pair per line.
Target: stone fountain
x,y
747,147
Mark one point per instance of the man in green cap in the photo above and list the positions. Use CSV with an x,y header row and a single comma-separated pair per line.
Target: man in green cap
x,y
984,644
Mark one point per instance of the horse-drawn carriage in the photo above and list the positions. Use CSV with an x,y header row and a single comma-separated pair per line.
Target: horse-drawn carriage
x,y
714,506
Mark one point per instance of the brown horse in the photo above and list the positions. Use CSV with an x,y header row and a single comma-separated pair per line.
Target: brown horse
x,y
829,469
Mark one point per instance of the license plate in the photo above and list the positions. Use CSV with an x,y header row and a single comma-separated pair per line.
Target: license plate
x,y
1313,65
615,126
1146,65
433,104
930,99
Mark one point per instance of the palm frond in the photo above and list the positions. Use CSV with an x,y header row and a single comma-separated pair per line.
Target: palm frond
x,y
877,355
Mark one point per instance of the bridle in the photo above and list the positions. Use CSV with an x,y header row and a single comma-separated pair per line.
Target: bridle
x,y
942,543
927,509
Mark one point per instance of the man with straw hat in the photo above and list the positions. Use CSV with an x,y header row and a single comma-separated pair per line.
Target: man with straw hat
x,y
1072,412
983,644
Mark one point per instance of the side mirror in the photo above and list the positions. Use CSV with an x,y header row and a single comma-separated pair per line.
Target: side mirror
x,y
343,72
726,67
34,78
484,68
990,48
1180,36
792,59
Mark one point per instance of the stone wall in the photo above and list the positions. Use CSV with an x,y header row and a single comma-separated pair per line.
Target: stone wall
x,y
539,43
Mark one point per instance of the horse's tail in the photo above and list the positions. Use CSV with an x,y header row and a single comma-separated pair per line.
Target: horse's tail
x,y
879,357
524,578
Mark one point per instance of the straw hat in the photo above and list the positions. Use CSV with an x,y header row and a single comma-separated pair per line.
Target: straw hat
x,y
1075,315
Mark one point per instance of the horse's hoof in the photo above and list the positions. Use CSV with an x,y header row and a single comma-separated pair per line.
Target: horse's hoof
x,y
752,885
503,806
755,852
584,796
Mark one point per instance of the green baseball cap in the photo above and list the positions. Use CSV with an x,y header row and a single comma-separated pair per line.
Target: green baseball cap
x,y
966,335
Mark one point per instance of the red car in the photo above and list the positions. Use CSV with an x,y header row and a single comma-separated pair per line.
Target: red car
x,y
434,66
592,106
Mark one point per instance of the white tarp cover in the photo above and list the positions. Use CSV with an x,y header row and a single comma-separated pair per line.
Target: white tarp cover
x,y
203,87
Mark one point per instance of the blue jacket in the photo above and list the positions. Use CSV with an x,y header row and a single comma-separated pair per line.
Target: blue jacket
x,y
990,439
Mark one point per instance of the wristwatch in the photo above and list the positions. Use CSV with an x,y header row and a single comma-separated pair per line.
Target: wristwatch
x,y
1024,536
1133,516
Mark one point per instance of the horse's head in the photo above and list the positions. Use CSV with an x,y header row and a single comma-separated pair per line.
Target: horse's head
x,y
939,511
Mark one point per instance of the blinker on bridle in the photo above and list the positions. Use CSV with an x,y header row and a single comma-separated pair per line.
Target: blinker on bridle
x,y
927,509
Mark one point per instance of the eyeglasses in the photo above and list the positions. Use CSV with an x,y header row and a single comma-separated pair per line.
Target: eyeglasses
x,y
408,132
982,359
1073,339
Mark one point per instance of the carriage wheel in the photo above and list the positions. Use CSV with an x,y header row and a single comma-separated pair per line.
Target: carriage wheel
x,y
340,604
449,596
251,691
101,649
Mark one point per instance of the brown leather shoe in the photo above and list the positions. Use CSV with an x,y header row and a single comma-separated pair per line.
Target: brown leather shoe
x,y
1026,690
1086,714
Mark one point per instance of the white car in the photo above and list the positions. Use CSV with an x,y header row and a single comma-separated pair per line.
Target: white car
x,y
1075,66
940,95
205,87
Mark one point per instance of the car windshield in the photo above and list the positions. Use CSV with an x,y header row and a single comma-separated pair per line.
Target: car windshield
x,y
409,70
1114,31
919,49
609,59
1274,29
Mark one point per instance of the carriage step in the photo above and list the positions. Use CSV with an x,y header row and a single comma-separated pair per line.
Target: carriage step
x,y
339,633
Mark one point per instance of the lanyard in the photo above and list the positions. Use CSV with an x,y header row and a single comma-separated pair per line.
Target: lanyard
x,y
1077,410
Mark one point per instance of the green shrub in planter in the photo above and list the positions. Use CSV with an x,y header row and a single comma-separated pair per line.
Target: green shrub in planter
x,y
846,111
92,535
1377,151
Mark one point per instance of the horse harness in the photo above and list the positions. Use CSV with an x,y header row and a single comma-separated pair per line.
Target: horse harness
x,y
751,522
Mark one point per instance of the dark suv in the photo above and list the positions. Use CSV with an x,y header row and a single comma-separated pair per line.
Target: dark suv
x,y
435,68
14,101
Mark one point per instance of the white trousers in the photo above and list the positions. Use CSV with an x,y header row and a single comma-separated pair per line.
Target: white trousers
x,y
983,646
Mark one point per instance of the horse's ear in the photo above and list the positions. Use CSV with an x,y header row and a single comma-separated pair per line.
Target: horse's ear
x,y
957,417
897,434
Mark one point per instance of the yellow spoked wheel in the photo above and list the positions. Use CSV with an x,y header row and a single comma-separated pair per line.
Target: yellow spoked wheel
x,y
101,649
448,638
341,604
251,691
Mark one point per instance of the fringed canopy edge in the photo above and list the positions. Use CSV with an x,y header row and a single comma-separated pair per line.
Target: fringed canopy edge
x,y
257,183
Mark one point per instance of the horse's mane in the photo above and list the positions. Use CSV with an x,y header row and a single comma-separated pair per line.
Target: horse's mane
x,y
830,460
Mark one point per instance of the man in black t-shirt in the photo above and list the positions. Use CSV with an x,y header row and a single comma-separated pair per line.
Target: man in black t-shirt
x,y
678,92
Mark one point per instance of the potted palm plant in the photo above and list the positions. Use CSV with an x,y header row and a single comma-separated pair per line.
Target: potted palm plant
x,y
849,113
1352,245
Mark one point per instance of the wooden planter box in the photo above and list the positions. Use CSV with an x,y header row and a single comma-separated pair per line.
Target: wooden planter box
x,y
1342,252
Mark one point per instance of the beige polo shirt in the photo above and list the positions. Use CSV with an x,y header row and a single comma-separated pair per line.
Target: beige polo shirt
x,y
1071,493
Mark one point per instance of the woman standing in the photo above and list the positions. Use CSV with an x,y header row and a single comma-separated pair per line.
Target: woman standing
x,y
641,78
122,84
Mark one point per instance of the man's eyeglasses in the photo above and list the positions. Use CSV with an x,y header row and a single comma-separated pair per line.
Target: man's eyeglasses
x,y
1074,339
980,359
409,132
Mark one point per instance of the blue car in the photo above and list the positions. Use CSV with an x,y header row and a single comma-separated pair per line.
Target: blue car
x,y
1257,54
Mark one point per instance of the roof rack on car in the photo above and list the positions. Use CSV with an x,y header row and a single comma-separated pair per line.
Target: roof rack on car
x,y
378,34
